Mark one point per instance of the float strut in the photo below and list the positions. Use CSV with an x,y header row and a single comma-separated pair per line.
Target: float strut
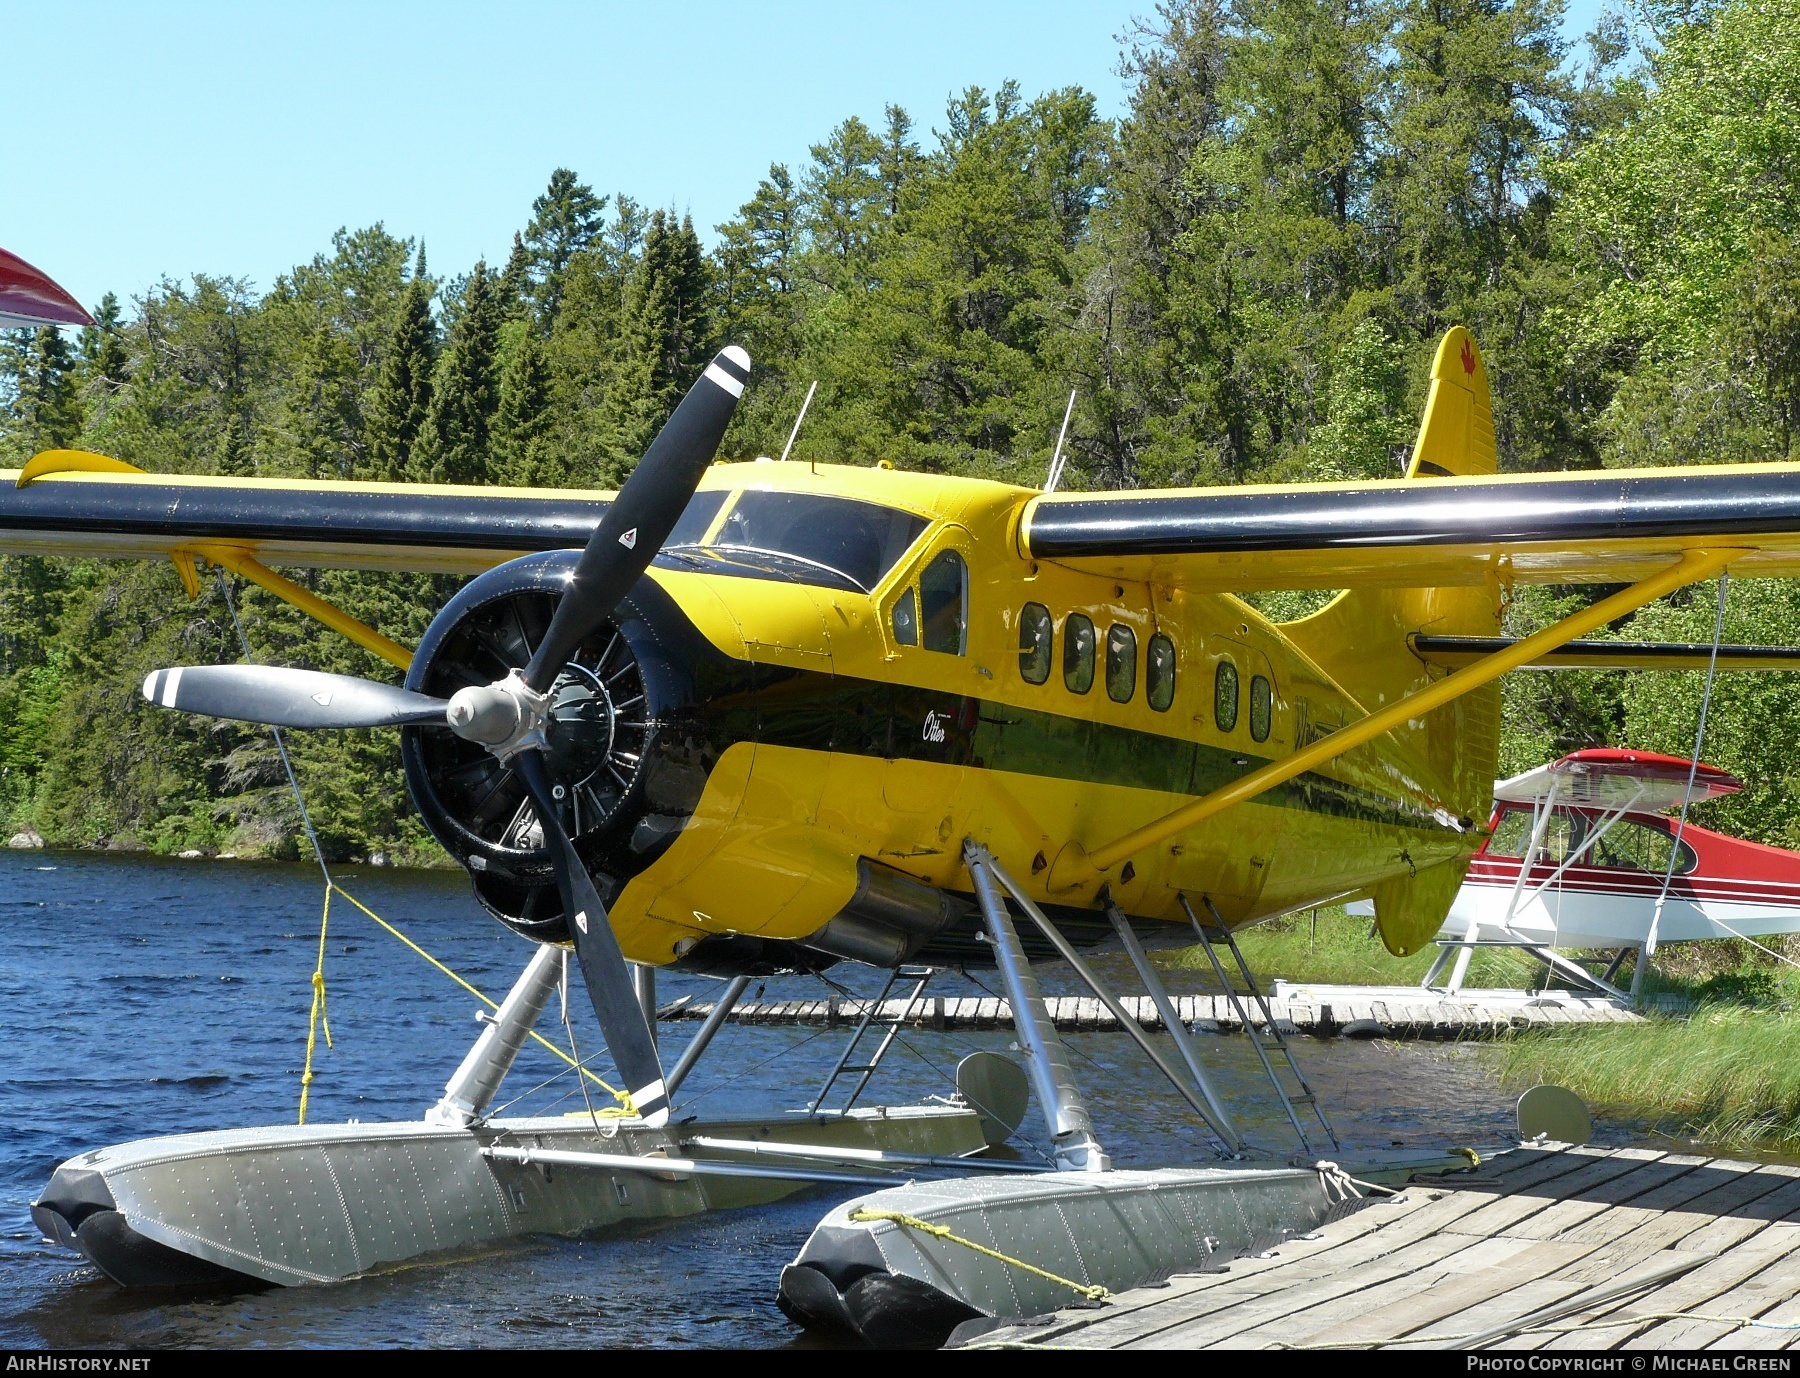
x,y
1072,1142
471,1088
643,983
1219,1119
721,1011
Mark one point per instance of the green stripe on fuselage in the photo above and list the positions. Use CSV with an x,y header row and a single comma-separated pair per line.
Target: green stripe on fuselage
x,y
816,711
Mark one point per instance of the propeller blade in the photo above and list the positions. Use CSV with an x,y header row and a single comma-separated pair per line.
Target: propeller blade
x,y
603,968
645,512
280,697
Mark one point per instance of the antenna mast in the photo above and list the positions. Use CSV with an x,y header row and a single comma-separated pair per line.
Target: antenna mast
x,y
1056,467
794,434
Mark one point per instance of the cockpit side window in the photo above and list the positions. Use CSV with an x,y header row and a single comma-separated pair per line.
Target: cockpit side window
x,y
1633,846
906,618
696,519
944,604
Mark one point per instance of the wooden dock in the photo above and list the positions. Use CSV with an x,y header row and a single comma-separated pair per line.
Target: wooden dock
x,y
1543,1248
1380,1013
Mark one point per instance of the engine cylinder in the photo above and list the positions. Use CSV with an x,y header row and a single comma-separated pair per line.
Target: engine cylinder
x,y
601,742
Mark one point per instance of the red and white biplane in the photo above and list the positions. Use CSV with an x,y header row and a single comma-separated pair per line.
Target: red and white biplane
x,y
1581,854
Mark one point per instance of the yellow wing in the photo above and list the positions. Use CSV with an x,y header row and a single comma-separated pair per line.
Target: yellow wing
x,y
1451,522
68,502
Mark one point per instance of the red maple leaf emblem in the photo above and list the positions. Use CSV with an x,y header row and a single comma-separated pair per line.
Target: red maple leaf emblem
x,y
1468,358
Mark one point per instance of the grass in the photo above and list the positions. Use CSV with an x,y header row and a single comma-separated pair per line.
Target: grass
x,y
1726,1073
1330,947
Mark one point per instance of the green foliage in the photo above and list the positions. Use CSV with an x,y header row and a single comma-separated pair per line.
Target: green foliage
x,y
1243,279
1365,424
1680,220
665,337
1727,1074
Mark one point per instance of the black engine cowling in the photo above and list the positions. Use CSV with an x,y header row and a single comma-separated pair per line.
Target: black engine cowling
x,y
628,749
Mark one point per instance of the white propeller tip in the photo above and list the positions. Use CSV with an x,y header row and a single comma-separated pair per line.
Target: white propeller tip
x,y
160,686
738,355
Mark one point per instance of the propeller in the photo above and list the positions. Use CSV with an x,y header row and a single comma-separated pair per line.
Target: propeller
x,y
280,697
508,716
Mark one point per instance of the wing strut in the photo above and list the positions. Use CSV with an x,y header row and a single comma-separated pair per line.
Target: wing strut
x,y
246,566
1076,869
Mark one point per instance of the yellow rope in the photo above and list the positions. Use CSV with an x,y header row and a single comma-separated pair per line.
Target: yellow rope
x,y
624,1098
912,1222
319,1016
1469,1153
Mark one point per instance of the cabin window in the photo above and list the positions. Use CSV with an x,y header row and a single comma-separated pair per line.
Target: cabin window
x,y
1262,707
944,603
1078,654
1225,695
906,618
1159,673
1036,635
1632,846
1513,834
1121,663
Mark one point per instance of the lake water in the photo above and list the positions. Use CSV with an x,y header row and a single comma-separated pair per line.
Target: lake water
x,y
148,997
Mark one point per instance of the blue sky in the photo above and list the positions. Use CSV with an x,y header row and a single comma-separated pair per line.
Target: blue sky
x,y
233,139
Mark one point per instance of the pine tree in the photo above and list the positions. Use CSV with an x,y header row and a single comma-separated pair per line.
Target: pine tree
x,y
898,161
104,357
47,403
846,201
758,259
665,337
454,442
566,220
515,282
522,424
401,398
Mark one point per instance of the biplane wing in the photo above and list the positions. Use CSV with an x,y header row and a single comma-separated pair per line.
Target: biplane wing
x,y
28,297
1614,778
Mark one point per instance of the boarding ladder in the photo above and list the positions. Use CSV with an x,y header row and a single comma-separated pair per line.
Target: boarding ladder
x,y
874,1016
1270,1044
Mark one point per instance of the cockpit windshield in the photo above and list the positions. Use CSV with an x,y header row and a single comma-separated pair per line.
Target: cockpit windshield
x,y
808,537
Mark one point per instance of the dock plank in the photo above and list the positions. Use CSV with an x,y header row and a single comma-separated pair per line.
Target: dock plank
x,y
1399,1246
1460,1254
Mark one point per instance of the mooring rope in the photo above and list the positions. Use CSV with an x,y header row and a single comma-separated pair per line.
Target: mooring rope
x,y
912,1222
319,1018
1348,1188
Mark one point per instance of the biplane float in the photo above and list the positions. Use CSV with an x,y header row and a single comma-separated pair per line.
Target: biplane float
x,y
746,717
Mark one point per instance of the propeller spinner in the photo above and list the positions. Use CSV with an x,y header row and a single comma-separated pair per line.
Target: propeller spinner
x,y
508,717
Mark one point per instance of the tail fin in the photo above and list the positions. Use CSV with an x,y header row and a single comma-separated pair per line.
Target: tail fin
x,y
1456,437
1360,640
